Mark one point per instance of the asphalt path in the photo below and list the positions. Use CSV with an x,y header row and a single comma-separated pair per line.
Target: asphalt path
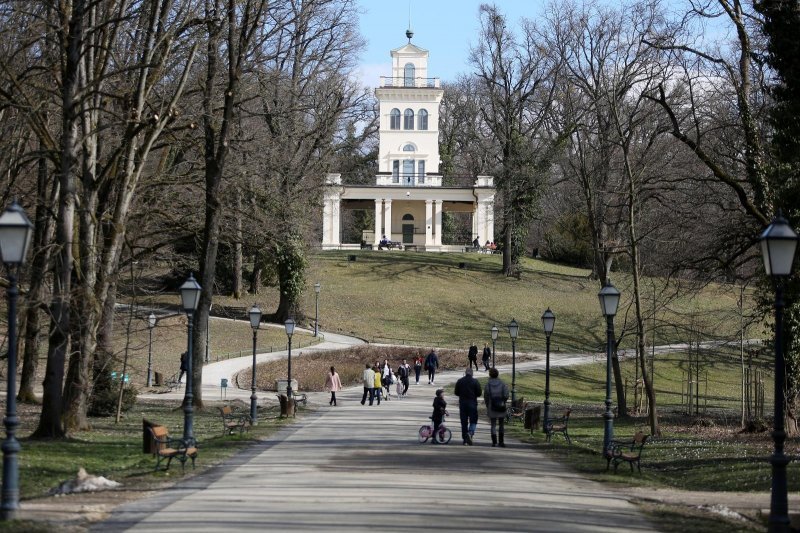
x,y
361,468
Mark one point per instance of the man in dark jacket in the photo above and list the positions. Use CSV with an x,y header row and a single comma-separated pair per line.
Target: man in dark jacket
x,y
468,391
431,364
472,355
487,354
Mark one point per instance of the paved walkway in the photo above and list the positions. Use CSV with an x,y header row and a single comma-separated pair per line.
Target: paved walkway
x,y
361,468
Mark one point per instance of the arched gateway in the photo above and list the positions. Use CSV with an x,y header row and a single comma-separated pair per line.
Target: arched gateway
x,y
408,198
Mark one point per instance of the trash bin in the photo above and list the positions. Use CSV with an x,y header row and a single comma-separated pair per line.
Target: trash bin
x,y
532,417
148,446
287,406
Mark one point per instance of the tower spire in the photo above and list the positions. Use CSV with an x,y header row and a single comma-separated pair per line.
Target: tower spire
x,y
409,33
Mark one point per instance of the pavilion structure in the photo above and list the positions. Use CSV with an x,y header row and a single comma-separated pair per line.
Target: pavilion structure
x,y
408,197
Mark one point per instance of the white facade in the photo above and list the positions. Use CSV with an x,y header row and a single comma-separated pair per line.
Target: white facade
x,y
408,197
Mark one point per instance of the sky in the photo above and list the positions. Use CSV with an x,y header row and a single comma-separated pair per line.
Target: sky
x,y
446,28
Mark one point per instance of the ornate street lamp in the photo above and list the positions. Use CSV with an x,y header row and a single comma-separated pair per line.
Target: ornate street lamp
x,y
778,245
151,323
15,239
495,331
289,324
609,301
255,322
317,288
513,331
190,297
548,322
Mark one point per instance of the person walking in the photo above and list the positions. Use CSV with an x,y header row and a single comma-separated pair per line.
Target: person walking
x,y
333,384
402,372
495,399
472,356
431,364
417,367
439,410
468,391
184,365
369,385
487,354
377,383
386,377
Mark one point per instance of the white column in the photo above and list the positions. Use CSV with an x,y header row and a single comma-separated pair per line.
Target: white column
x,y
476,228
336,225
378,217
437,210
327,221
387,219
428,222
490,218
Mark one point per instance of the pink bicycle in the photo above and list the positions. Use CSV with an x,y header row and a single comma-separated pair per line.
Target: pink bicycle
x,y
443,434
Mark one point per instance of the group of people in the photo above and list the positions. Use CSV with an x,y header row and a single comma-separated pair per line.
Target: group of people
x,y
468,390
472,356
379,378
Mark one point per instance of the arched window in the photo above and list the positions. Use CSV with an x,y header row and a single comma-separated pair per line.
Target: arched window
x,y
423,120
409,148
408,122
408,216
408,72
394,119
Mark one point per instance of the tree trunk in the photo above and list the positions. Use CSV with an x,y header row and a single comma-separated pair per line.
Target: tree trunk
x,y
50,425
41,258
622,404
238,284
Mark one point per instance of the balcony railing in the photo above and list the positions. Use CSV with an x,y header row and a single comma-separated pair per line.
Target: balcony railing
x,y
388,81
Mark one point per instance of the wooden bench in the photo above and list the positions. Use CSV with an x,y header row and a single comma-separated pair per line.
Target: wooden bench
x,y
168,448
558,425
232,421
410,247
627,451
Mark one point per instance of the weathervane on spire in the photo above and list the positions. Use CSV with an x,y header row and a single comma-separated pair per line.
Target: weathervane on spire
x,y
409,33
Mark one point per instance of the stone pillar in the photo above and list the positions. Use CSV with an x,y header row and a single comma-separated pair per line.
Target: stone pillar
x,y
387,219
437,210
336,225
476,223
378,220
327,221
428,222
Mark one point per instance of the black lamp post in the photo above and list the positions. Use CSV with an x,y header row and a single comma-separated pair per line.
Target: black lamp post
x,y
548,322
15,239
151,323
778,245
495,331
255,322
317,288
513,331
609,301
190,297
289,332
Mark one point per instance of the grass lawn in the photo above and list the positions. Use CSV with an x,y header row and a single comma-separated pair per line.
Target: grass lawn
x,y
115,450
694,452
426,299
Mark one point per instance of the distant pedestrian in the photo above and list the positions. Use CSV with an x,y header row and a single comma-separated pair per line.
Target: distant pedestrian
x,y
369,385
495,397
439,410
487,354
184,365
468,391
472,356
386,376
333,384
402,372
417,367
377,383
431,364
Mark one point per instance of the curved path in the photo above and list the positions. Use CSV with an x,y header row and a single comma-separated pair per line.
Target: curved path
x,y
360,468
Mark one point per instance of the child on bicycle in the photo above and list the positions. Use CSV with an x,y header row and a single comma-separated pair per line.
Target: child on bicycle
x,y
439,411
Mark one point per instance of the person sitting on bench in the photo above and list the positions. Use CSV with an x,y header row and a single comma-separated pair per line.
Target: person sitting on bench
x,y
383,242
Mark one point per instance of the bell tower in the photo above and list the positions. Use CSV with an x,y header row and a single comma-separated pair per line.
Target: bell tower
x,y
408,153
